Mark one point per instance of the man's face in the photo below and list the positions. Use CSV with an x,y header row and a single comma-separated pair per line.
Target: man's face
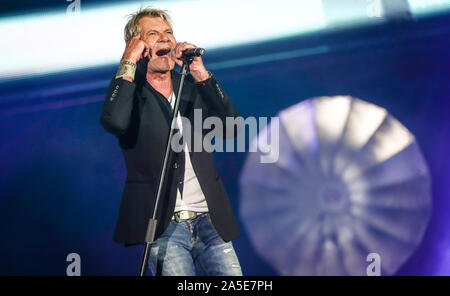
x,y
158,35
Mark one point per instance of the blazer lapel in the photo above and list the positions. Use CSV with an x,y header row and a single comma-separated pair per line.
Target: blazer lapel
x,y
185,102
185,107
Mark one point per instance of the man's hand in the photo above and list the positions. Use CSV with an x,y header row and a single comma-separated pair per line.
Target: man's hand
x,y
136,49
196,68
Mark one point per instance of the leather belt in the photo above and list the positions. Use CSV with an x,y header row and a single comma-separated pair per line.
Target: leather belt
x,y
185,215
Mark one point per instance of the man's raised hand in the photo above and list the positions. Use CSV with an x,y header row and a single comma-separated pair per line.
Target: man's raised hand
x,y
197,69
136,49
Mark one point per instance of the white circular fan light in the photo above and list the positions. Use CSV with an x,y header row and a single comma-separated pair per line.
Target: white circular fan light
x,y
350,180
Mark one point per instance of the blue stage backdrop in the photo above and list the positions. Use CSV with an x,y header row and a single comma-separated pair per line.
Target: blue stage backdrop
x,y
61,174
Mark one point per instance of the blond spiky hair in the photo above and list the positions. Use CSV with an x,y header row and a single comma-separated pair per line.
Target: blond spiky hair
x,y
132,28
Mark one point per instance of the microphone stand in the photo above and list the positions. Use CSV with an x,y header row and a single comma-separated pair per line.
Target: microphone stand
x,y
151,227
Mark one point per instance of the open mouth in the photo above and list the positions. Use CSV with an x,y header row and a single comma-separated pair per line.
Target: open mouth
x,y
163,52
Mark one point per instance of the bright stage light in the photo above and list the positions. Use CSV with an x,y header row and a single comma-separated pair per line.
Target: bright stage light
x,y
37,44
426,7
57,41
349,180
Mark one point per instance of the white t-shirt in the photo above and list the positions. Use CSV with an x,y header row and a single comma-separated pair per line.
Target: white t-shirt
x,y
192,198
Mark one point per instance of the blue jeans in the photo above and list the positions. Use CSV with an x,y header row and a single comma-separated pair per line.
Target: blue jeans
x,y
193,244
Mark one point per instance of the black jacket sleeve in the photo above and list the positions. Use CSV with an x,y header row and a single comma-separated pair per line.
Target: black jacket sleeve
x,y
218,104
117,106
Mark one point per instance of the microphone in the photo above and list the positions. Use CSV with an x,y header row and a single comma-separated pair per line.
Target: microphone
x,y
192,52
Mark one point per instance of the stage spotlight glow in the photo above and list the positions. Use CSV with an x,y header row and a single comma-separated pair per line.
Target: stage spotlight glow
x,y
57,41
426,7
350,181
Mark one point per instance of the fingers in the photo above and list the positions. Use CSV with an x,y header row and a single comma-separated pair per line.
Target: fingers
x,y
132,39
136,49
180,47
178,52
178,62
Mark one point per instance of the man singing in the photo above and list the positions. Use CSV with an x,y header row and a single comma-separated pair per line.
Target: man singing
x,y
195,222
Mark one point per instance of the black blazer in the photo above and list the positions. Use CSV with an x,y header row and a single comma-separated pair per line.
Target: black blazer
x,y
140,117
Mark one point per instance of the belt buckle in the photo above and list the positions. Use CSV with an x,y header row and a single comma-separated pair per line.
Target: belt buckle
x,y
184,215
